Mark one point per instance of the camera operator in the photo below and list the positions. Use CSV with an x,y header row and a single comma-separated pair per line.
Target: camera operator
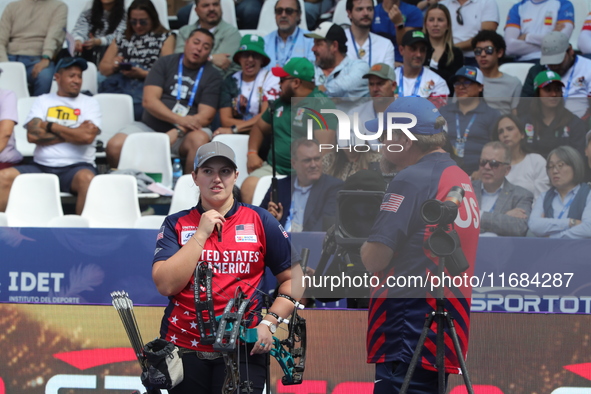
x,y
395,247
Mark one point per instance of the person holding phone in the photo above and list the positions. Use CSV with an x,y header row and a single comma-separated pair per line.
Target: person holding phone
x,y
130,56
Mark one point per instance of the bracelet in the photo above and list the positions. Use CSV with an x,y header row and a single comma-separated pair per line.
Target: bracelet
x,y
252,152
48,127
196,240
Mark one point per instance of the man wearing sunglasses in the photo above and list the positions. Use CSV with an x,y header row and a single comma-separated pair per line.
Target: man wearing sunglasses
x,y
32,33
471,16
469,120
529,21
504,207
226,37
501,91
288,40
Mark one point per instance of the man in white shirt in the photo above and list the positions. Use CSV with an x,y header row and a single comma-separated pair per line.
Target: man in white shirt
x,y
361,43
336,74
63,125
575,71
471,16
288,40
529,21
501,90
413,78
504,207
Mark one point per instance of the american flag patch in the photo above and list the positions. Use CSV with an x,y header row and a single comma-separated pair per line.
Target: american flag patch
x,y
160,234
245,229
283,231
391,202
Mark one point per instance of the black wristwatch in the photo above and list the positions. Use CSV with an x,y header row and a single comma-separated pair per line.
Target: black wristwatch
x,y
180,133
48,127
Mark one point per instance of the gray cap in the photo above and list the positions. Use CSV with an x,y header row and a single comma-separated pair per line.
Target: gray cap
x,y
381,70
588,137
554,46
211,150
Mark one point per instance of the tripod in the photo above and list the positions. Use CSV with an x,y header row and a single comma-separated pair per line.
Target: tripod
x,y
441,317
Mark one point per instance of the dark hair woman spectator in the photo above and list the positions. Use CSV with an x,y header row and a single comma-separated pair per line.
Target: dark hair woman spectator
x,y
528,170
548,123
564,211
442,57
130,56
96,27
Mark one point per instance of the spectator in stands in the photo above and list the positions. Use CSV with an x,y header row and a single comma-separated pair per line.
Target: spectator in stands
x,y
548,123
245,94
564,211
296,80
470,119
575,72
63,125
288,40
361,43
352,155
132,54
32,32
392,19
307,201
588,155
529,21
9,156
337,74
96,28
413,78
528,170
472,16
442,56
584,41
504,207
501,91
381,82
226,37
180,107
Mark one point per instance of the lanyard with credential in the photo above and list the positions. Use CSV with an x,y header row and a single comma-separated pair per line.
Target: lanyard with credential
x,y
281,62
179,86
459,138
417,83
246,112
570,79
566,207
357,52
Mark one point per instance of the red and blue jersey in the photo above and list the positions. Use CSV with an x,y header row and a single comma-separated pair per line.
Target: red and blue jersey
x,y
397,314
251,240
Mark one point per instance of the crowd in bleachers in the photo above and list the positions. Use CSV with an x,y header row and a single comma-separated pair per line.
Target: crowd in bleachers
x,y
515,95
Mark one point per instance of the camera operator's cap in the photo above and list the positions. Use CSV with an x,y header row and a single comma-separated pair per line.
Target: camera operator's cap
x,y
252,43
381,70
297,67
554,46
414,36
67,62
545,78
329,31
211,150
469,72
425,112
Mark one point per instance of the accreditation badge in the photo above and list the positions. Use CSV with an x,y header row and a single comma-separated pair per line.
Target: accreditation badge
x,y
180,109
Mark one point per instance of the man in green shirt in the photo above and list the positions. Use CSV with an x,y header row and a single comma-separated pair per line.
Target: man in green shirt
x,y
296,81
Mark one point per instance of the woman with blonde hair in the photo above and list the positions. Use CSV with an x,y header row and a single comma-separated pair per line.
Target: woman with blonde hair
x,y
442,57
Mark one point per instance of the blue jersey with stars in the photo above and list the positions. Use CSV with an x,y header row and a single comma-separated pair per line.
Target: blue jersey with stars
x,y
397,314
251,240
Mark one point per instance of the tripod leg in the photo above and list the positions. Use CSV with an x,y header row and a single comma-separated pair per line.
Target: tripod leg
x,y
456,341
417,353
440,355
